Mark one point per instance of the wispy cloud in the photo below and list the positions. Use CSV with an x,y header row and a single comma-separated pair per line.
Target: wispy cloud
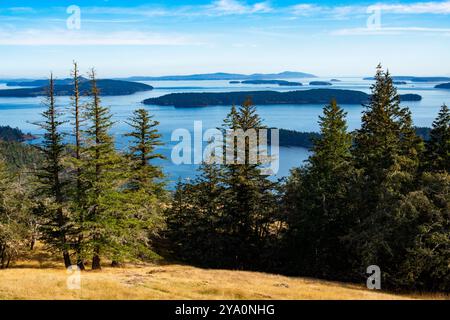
x,y
237,7
388,31
216,8
416,8
339,12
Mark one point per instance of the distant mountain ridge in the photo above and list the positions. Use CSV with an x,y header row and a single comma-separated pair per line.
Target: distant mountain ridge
x,y
42,82
415,79
107,87
224,76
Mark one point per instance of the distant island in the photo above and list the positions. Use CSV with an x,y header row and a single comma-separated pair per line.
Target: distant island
x,y
415,79
293,138
335,80
278,82
107,88
43,82
312,96
443,86
320,83
400,82
224,76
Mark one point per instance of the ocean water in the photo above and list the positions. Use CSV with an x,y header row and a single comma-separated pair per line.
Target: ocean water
x,y
23,112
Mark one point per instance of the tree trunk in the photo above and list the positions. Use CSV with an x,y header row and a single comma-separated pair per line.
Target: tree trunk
x,y
96,265
67,261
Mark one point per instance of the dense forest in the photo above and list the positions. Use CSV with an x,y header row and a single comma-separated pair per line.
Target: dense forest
x,y
376,196
315,96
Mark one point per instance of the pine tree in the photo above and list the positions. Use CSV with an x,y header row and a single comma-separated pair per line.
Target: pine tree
x,y
437,153
53,207
101,175
318,198
146,139
77,112
251,202
386,152
145,192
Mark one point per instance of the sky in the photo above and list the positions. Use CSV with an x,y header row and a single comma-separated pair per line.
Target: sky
x,y
130,38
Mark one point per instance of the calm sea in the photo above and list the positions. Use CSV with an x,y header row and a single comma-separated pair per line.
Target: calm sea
x,y
22,112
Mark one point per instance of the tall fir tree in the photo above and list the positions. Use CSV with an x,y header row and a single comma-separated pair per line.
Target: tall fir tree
x,y
318,201
53,209
145,139
386,153
102,171
251,198
437,153
77,192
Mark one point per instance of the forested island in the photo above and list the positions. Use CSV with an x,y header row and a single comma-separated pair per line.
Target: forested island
x,y
106,86
278,82
313,96
8,133
443,86
320,83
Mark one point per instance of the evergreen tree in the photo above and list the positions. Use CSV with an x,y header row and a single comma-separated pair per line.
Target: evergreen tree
x,y
52,208
145,192
386,152
437,153
318,201
251,198
102,171
146,139
78,189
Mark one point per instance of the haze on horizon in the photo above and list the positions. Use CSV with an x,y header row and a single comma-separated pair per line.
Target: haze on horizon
x,y
327,38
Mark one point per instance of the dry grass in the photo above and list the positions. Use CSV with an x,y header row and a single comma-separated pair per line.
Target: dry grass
x,y
40,278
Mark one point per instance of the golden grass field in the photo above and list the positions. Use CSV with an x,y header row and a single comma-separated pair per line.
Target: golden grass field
x,y
39,278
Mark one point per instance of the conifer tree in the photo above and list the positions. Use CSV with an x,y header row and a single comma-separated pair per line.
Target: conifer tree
x,y
251,201
101,174
319,208
145,140
386,152
437,153
77,112
53,207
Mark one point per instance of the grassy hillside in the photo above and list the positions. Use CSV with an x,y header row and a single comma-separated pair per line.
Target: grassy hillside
x,y
37,277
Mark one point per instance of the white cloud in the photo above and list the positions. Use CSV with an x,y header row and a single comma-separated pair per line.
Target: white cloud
x,y
237,7
338,12
388,31
416,8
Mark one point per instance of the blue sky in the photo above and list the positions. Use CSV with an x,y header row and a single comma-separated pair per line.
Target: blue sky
x,y
328,38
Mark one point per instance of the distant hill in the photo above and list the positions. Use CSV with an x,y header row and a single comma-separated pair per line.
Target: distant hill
x,y
278,82
107,88
43,82
443,86
225,76
320,83
315,96
415,79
